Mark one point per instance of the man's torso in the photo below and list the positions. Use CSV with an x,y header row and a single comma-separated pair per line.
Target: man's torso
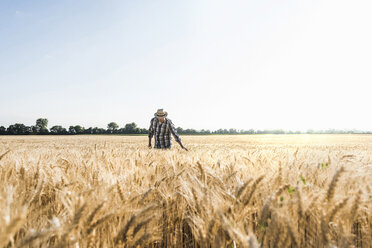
x,y
162,134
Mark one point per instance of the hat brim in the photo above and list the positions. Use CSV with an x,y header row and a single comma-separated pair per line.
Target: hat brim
x,y
165,115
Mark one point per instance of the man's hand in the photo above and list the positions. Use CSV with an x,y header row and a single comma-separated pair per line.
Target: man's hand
x,y
150,143
184,148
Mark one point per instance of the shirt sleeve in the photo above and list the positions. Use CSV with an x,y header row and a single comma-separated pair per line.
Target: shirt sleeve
x,y
174,131
151,128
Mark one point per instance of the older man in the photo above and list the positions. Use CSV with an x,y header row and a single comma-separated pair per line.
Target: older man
x,y
161,128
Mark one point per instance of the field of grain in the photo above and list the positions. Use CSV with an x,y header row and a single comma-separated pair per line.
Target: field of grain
x,y
226,191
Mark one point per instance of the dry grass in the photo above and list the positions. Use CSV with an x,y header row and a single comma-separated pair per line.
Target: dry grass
x,y
227,191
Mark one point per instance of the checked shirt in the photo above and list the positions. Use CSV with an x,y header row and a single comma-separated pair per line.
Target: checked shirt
x,y
162,133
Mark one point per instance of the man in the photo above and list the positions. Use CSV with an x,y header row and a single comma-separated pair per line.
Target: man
x,y
161,128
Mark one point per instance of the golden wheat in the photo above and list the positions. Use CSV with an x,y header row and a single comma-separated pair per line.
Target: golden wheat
x,y
227,191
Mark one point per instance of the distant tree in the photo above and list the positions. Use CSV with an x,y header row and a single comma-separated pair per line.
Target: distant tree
x,y
277,131
143,131
102,130
180,130
219,131
251,131
112,127
190,131
131,128
203,131
58,130
34,129
42,122
79,129
18,128
97,130
41,126
233,131
2,130
11,130
88,130
71,130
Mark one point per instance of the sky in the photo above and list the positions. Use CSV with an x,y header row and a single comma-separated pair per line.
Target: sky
x,y
293,65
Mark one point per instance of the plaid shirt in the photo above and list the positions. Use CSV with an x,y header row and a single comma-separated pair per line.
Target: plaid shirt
x,y
162,133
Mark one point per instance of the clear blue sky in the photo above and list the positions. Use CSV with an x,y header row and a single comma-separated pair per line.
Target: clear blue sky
x,y
210,64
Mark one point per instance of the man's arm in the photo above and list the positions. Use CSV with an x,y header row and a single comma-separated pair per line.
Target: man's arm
x,y
151,132
175,134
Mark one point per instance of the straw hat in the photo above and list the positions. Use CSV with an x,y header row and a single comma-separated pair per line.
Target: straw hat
x,y
161,113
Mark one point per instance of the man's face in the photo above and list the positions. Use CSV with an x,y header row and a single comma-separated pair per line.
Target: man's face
x,y
161,119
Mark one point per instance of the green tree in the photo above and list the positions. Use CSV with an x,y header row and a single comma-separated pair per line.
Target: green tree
x,y
2,130
112,127
232,131
42,123
71,130
97,130
79,129
88,130
18,128
131,128
58,130
41,126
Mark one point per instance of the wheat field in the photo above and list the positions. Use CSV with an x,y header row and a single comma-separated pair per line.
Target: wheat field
x,y
226,191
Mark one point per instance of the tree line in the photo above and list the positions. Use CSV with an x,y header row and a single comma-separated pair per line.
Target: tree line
x,y
41,127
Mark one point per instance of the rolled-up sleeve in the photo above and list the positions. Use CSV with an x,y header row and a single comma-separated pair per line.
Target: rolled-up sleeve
x,y
151,129
174,131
